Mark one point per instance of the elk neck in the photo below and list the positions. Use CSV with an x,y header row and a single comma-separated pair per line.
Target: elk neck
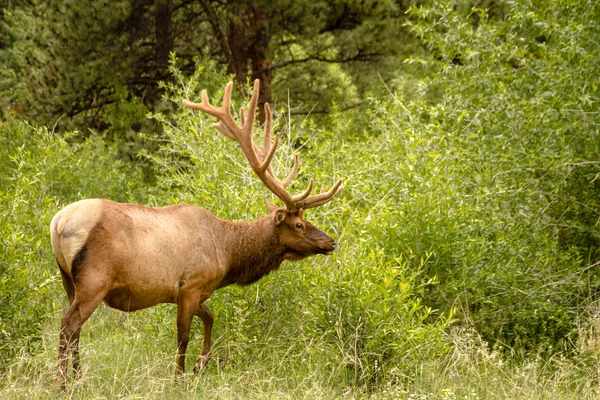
x,y
255,251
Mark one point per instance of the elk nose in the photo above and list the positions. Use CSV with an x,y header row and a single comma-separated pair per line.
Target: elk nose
x,y
333,244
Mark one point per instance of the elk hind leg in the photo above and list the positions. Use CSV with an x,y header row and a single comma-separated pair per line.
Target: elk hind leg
x,y
86,300
69,287
204,313
67,282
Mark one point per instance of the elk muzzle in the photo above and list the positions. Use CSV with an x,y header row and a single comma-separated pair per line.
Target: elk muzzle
x,y
324,244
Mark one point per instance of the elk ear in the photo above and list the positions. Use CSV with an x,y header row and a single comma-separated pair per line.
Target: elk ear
x,y
271,206
279,216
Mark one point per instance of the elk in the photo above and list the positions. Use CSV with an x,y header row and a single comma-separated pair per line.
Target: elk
x,y
134,257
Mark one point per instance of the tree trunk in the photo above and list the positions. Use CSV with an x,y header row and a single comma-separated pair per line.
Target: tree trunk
x,y
163,37
236,39
260,59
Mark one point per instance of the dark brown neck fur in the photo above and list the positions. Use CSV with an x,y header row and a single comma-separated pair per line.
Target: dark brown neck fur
x,y
256,251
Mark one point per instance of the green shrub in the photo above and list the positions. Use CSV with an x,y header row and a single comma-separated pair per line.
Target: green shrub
x,y
361,310
474,198
41,173
506,164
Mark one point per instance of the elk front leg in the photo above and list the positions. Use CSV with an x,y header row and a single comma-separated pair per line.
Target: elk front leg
x,y
186,308
204,313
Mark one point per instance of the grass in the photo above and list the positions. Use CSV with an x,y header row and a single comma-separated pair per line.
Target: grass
x,y
124,356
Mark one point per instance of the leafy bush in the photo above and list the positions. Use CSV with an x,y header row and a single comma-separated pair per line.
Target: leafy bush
x,y
361,309
43,173
474,198
507,163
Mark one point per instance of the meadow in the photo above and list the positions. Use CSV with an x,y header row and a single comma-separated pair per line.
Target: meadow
x,y
468,231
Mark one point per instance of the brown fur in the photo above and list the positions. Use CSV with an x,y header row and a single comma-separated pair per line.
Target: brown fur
x,y
133,257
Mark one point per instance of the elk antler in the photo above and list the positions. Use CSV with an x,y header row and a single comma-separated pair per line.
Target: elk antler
x,y
260,160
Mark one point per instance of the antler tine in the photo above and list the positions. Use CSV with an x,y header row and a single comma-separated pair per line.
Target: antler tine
x,y
266,149
260,160
223,129
320,199
299,197
227,125
268,124
226,106
194,106
267,160
267,154
249,123
292,174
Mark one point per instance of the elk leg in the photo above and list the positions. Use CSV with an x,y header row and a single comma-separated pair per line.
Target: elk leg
x,y
70,290
204,313
186,307
67,284
83,305
75,353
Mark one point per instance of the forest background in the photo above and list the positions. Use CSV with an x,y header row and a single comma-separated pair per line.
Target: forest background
x,y
467,135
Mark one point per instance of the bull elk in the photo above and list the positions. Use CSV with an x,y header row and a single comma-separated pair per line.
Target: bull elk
x,y
134,257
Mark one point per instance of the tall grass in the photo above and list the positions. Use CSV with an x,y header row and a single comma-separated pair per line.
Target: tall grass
x,y
125,356
467,266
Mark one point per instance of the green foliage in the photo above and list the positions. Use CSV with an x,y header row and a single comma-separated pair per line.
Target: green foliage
x,y
54,70
41,173
70,59
468,225
512,152
124,117
365,329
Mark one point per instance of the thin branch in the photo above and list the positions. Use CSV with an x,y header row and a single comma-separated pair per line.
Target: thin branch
x,y
587,207
358,57
325,110
214,22
183,4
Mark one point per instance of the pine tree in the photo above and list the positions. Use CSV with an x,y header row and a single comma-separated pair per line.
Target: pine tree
x,y
69,58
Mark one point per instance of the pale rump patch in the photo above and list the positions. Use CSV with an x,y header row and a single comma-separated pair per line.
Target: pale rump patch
x,y
70,228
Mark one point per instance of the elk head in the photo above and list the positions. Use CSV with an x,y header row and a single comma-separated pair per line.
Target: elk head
x,y
300,238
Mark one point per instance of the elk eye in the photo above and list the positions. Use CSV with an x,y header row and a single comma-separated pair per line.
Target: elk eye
x,y
299,225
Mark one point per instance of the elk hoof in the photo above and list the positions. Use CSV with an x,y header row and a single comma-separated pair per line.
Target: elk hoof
x,y
201,362
59,384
